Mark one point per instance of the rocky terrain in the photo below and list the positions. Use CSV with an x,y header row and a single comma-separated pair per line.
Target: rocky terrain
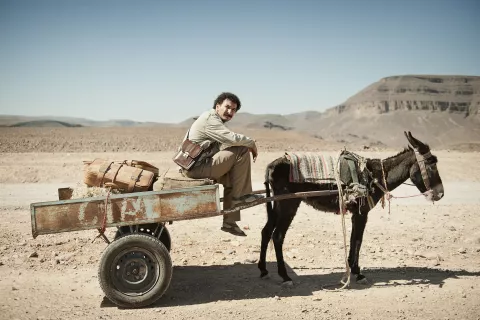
x,y
422,260
451,94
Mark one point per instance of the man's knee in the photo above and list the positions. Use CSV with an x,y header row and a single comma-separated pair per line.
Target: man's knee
x,y
239,150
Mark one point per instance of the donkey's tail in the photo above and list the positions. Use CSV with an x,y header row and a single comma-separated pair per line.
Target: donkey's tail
x,y
267,192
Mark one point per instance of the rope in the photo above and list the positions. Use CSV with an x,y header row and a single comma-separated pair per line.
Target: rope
x,y
163,179
104,222
386,193
343,212
413,195
101,230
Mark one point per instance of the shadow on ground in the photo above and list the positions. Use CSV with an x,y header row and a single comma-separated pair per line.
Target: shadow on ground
x,y
204,284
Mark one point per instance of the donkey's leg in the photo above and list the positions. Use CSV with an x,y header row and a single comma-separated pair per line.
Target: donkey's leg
x,y
288,209
358,227
266,236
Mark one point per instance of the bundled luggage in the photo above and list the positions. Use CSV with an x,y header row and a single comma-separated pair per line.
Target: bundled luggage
x,y
127,175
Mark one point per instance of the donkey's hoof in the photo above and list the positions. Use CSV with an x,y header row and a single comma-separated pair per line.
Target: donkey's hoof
x,y
361,279
287,284
264,275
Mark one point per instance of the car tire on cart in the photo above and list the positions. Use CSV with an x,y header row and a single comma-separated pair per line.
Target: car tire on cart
x,y
135,270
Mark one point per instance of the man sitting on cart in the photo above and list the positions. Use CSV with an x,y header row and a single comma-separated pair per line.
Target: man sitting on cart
x,y
226,158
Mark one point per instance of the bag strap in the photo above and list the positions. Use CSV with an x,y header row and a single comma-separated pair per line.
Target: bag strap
x,y
133,179
186,136
102,169
184,139
116,173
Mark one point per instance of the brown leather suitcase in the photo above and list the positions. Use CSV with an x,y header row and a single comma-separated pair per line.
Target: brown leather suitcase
x,y
120,175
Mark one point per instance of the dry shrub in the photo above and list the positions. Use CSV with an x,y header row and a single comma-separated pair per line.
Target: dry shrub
x,y
84,191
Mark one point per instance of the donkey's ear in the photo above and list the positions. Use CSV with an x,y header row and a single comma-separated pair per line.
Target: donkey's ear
x,y
415,142
411,139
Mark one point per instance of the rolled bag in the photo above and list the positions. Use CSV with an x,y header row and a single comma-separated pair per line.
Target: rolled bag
x,y
127,175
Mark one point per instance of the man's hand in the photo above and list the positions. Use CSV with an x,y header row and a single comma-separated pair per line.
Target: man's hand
x,y
254,153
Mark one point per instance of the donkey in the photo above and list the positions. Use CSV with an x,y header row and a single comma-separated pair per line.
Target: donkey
x,y
415,162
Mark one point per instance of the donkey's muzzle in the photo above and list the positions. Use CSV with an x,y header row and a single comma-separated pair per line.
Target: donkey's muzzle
x,y
436,193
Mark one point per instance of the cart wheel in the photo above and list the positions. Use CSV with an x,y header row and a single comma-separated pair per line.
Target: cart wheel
x,y
135,270
153,229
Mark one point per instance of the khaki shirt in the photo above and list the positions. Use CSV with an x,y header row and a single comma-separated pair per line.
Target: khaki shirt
x,y
210,132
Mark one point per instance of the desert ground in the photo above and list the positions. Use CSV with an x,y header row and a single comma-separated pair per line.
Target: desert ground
x,y
422,260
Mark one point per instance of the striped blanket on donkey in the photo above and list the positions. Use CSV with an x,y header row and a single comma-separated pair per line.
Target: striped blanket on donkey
x,y
311,167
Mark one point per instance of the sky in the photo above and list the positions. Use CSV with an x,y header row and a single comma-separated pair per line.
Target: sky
x,y
166,61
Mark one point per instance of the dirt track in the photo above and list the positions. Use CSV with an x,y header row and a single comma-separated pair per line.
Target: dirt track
x,y
422,261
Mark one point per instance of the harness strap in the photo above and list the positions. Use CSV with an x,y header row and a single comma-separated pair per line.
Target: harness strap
x,y
423,170
353,169
371,204
421,163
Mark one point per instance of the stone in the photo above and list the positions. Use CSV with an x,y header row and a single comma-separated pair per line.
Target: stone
x,y
290,255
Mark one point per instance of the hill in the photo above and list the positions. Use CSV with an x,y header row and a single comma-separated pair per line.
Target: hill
x,y
45,123
13,121
444,110
441,109
452,94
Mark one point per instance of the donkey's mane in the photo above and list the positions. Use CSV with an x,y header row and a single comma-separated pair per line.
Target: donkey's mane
x,y
375,163
400,153
405,150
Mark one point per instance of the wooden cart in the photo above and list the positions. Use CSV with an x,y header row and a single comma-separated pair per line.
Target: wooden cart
x,y
136,268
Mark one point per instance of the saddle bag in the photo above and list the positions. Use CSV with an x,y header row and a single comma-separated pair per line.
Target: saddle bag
x,y
188,154
127,176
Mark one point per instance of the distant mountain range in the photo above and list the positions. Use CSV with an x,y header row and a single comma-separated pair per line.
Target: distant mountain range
x,y
53,121
443,110
46,123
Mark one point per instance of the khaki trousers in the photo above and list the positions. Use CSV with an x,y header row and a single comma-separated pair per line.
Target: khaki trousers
x,y
232,168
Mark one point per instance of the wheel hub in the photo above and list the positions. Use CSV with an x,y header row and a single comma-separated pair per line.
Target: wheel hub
x,y
135,271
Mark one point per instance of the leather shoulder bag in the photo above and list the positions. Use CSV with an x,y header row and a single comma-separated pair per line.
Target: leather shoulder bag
x,y
188,154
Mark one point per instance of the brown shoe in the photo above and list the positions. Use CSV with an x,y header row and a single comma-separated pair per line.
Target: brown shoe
x,y
233,228
246,199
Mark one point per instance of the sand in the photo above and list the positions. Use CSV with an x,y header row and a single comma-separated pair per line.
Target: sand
x,y
422,260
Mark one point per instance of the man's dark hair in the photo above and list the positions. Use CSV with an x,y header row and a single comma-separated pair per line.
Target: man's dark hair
x,y
227,95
